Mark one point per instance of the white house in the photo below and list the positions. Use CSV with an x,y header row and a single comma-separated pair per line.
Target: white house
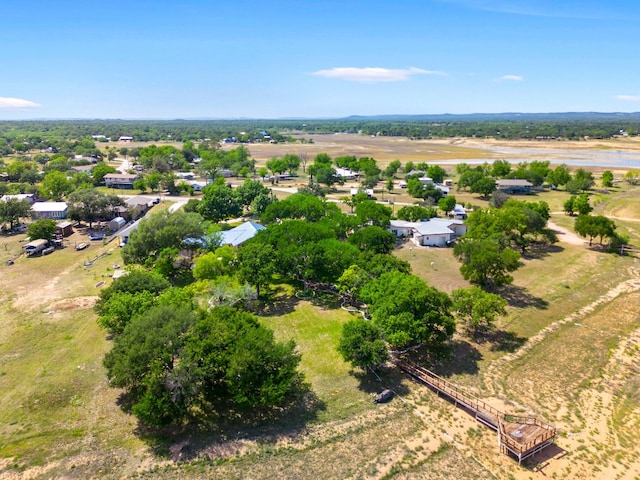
x,y
346,174
186,175
54,210
197,186
436,232
29,197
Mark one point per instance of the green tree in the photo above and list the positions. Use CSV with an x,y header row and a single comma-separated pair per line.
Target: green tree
x,y
91,205
607,179
581,204
559,176
100,170
116,312
500,168
446,204
408,311
477,309
219,202
214,264
484,186
153,181
415,213
146,361
12,210
256,264
277,165
361,344
160,231
436,173
568,205
249,191
55,185
44,228
374,213
595,226
484,261
374,239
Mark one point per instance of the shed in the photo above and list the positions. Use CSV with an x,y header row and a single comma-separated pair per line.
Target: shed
x,y
64,229
117,223
36,246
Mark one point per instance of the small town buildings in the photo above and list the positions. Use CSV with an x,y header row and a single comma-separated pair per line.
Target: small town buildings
x,y
64,229
29,197
514,186
435,232
53,210
120,180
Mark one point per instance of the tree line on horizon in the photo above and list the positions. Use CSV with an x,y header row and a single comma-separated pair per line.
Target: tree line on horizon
x,y
21,136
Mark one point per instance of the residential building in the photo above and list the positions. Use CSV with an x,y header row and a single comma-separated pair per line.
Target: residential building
x,y
53,210
120,180
514,186
29,197
435,232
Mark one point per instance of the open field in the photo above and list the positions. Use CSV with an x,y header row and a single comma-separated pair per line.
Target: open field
x,y
567,352
455,150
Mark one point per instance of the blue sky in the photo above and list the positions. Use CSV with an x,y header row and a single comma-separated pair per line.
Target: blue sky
x,y
293,58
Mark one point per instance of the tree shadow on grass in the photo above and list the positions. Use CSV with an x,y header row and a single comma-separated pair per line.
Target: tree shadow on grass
x,y
462,358
275,302
385,377
540,251
519,297
215,438
500,340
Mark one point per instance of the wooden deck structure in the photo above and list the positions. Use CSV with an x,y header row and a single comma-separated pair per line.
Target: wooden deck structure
x,y
520,436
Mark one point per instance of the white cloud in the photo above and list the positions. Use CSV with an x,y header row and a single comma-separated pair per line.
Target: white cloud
x,y
628,98
16,103
374,74
571,9
511,78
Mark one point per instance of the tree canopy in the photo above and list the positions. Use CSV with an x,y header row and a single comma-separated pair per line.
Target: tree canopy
x,y
174,363
160,231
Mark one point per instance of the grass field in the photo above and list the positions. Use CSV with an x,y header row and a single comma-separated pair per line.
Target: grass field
x,y
567,351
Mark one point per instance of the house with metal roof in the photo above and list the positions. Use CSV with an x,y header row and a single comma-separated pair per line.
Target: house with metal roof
x,y
435,232
54,210
240,234
513,186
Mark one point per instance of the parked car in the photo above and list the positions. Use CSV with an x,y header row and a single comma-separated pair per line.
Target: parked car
x,y
48,250
81,246
96,236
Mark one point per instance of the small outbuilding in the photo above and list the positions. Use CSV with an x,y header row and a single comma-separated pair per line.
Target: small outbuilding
x,y
117,223
64,229
36,246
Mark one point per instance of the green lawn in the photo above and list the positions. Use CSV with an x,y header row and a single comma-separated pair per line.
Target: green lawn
x,y
316,331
